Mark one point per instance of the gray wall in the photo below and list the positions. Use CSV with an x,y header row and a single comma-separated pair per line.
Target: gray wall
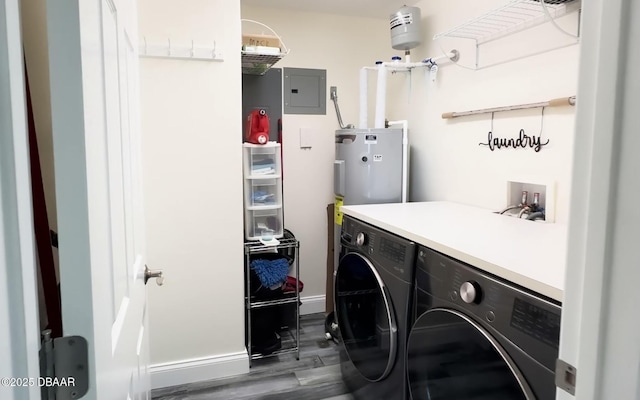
x,y
263,91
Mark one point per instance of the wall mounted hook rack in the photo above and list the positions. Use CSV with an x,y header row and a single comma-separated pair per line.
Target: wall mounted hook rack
x,y
170,50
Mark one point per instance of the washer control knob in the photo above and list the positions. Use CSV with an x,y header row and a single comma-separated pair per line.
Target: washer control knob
x,y
470,292
361,239
491,316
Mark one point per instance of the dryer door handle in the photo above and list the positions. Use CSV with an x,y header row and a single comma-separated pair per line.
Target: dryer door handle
x,y
393,326
341,290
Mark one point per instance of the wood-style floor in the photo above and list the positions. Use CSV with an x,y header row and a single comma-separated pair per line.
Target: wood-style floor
x,y
316,376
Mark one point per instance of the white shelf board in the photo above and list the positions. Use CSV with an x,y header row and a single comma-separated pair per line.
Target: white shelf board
x,y
261,146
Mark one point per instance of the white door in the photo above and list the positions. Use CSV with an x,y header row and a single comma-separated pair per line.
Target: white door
x,y
600,324
94,96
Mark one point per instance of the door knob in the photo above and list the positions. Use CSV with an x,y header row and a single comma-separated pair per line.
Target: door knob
x,y
151,273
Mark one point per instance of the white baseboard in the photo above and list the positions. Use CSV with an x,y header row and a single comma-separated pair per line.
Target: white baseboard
x,y
222,366
312,305
197,370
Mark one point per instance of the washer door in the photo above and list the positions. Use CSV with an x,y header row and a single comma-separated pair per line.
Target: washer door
x,y
365,317
452,357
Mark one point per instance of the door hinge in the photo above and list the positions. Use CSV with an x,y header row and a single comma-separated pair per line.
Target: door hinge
x,y
64,367
566,375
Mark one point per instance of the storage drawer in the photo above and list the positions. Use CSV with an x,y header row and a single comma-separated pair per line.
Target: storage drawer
x,y
260,150
256,221
262,160
263,192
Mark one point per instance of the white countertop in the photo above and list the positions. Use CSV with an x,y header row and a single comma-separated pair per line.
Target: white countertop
x,y
530,254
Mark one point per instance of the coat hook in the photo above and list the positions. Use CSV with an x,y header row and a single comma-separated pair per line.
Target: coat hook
x,y
145,45
169,49
193,52
213,52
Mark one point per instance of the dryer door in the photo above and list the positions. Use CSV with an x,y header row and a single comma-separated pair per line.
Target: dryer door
x,y
365,317
452,357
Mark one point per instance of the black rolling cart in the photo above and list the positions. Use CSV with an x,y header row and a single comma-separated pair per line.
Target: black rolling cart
x,y
268,311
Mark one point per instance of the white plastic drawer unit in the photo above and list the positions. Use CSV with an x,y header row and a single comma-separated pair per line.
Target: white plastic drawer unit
x,y
263,192
259,221
263,214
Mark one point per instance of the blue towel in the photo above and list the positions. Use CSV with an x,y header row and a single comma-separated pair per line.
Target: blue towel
x,y
271,272
260,196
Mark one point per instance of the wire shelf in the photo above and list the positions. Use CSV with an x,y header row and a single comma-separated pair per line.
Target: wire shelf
x,y
515,16
288,340
253,247
257,63
267,303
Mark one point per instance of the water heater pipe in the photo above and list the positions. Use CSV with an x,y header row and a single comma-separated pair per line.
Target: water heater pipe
x,y
382,69
381,96
405,156
364,83
334,97
427,62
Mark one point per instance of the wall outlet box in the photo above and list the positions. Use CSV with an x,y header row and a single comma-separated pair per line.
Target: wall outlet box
x,y
546,189
306,137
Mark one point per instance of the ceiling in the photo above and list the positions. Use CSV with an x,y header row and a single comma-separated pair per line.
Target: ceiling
x,y
363,8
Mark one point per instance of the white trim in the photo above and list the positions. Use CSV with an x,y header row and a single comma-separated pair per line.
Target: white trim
x,y
19,326
220,366
599,331
199,369
312,304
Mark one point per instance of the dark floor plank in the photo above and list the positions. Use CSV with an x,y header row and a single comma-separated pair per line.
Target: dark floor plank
x,y
318,392
316,376
247,390
319,376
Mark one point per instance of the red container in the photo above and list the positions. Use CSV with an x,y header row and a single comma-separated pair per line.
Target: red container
x,y
257,129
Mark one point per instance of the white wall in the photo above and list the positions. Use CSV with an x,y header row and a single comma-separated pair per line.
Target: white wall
x,y
447,162
341,45
191,123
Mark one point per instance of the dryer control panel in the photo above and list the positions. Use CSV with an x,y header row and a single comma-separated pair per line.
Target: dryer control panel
x,y
383,249
538,322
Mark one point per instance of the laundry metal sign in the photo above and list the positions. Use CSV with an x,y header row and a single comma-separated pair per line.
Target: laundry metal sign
x,y
522,141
